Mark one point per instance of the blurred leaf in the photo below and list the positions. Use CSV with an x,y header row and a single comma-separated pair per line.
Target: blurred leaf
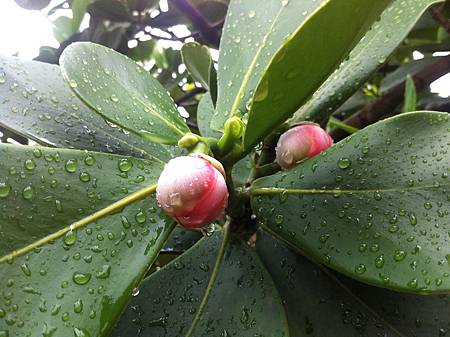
x,y
321,43
63,28
115,10
33,4
205,111
143,51
200,65
213,11
369,54
218,287
381,194
123,92
410,96
79,8
159,55
181,240
37,103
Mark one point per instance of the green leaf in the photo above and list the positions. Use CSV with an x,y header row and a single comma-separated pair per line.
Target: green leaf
x,y
37,103
205,111
320,303
43,190
219,287
77,281
305,60
181,240
200,65
251,36
114,10
410,96
373,206
63,28
143,51
79,8
122,92
370,53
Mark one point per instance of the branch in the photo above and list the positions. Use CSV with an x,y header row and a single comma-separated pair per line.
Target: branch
x,y
206,30
386,104
190,94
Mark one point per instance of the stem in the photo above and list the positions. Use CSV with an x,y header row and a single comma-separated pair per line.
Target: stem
x,y
83,222
336,123
232,132
266,170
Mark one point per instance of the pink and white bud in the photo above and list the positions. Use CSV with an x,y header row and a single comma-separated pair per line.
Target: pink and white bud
x,y
301,142
192,190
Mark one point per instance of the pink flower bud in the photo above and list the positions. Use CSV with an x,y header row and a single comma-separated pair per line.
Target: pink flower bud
x,y
301,142
192,190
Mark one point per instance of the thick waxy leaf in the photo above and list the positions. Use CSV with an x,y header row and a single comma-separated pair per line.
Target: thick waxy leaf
x,y
217,288
181,240
373,206
123,92
43,190
205,111
37,103
370,53
78,283
251,36
304,61
200,65
320,304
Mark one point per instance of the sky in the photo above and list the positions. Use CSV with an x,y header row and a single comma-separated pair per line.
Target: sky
x,y
23,32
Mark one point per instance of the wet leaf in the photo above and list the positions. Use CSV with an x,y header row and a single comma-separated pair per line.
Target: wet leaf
x,y
251,36
78,282
236,303
181,240
370,53
318,303
43,190
373,206
36,102
122,92
304,61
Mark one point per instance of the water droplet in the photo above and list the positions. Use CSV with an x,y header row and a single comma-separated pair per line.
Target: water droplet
x,y
71,165
80,333
89,160
251,14
125,165
70,237
26,270
114,98
73,83
85,177
28,192
4,190
399,255
344,163
360,269
413,283
284,3
78,306
104,272
81,278
379,261
30,164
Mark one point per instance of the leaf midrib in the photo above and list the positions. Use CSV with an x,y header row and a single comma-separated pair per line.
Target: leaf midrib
x,y
278,190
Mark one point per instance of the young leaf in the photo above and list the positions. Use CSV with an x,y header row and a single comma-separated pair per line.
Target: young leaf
x,y
38,104
305,60
122,92
410,96
218,286
200,65
77,281
251,36
43,190
370,53
320,303
381,198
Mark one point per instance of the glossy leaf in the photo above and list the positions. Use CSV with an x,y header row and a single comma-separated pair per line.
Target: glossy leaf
x,y
200,65
373,206
122,92
43,190
181,240
181,299
370,53
79,8
79,281
36,103
410,101
251,36
305,60
205,111
320,303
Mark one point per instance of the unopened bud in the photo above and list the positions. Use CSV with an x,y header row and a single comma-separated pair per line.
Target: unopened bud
x,y
192,190
301,142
